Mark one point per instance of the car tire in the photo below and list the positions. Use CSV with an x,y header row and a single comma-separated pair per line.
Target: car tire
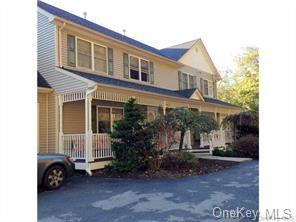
x,y
54,177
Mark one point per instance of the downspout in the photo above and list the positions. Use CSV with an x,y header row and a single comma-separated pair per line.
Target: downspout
x,y
60,43
87,125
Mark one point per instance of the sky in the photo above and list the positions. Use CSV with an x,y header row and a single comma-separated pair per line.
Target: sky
x,y
225,27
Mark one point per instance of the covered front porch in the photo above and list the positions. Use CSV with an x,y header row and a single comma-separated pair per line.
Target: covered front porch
x,y
86,119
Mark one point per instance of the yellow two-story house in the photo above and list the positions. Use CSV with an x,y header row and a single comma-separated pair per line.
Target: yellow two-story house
x,y
87,72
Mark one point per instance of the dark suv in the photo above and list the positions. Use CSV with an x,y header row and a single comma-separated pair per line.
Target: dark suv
x,y
54,169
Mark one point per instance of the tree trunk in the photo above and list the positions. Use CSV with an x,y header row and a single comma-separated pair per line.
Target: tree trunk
x,y
181,140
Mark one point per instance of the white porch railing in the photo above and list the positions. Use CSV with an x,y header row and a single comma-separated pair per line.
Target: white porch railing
x,y
101,146
74,145
217,138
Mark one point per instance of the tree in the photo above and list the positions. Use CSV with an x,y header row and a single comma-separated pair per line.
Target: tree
x,y
242,86
183,119
131,140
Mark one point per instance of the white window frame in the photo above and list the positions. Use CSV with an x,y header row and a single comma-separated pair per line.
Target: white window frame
x,y
92,55
210,92
187,79
110,113
140,68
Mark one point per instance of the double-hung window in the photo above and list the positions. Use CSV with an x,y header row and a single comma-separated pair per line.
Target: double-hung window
x,y
186,81
206,87
106,116
134,68
84,55
139,69
100,58
144,70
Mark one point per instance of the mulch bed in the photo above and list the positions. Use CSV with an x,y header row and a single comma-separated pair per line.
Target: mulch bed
x,y
204,166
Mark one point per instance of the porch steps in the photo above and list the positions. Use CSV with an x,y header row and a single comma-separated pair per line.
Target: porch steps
x,y
200,152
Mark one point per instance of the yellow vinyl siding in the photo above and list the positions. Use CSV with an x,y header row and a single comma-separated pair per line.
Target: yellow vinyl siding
x,y
165,75
42,102
47,123
73,117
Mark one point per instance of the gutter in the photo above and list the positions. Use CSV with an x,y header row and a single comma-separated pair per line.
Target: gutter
x,y
87,124
60,43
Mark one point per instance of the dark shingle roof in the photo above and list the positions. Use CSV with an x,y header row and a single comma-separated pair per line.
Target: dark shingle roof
x,y
126,84
219,102
98,28
184,94
41,82
174,53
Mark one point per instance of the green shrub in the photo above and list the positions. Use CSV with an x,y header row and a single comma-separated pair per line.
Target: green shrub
x,y
131,140
179,160
227,152
247,146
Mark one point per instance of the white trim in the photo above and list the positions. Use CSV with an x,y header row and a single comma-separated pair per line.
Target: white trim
x,y
92,55
140,68
47,123
106,50
188,74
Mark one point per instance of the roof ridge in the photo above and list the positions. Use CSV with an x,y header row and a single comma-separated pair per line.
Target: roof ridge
x,y
194,40
99,28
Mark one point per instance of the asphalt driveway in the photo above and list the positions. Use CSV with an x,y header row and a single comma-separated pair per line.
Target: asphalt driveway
x,y
91,199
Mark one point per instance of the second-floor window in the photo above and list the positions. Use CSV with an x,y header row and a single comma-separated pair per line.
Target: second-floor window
x,y
207,87
86,54
186,81
139,69
100,58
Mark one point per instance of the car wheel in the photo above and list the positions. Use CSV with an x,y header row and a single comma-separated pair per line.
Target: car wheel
x,y
54,177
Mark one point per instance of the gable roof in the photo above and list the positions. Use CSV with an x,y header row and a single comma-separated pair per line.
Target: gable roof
x,y
183,94
41,82
189,93
177,51
98,28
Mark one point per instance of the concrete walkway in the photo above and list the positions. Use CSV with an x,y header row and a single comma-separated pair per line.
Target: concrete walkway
x,y
234,159
190,199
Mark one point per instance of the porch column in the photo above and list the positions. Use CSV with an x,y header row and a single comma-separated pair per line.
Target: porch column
x,y
61,134
88,130
164,108
188,139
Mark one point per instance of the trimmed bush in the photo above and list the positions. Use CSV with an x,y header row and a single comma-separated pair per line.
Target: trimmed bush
x,y
179,161
227,152
247,146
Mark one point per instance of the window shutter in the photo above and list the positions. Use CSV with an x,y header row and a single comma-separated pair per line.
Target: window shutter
x,y
110,61
215,89
125,66
71,50
201,85
191,82
180,80
194,82
151,74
